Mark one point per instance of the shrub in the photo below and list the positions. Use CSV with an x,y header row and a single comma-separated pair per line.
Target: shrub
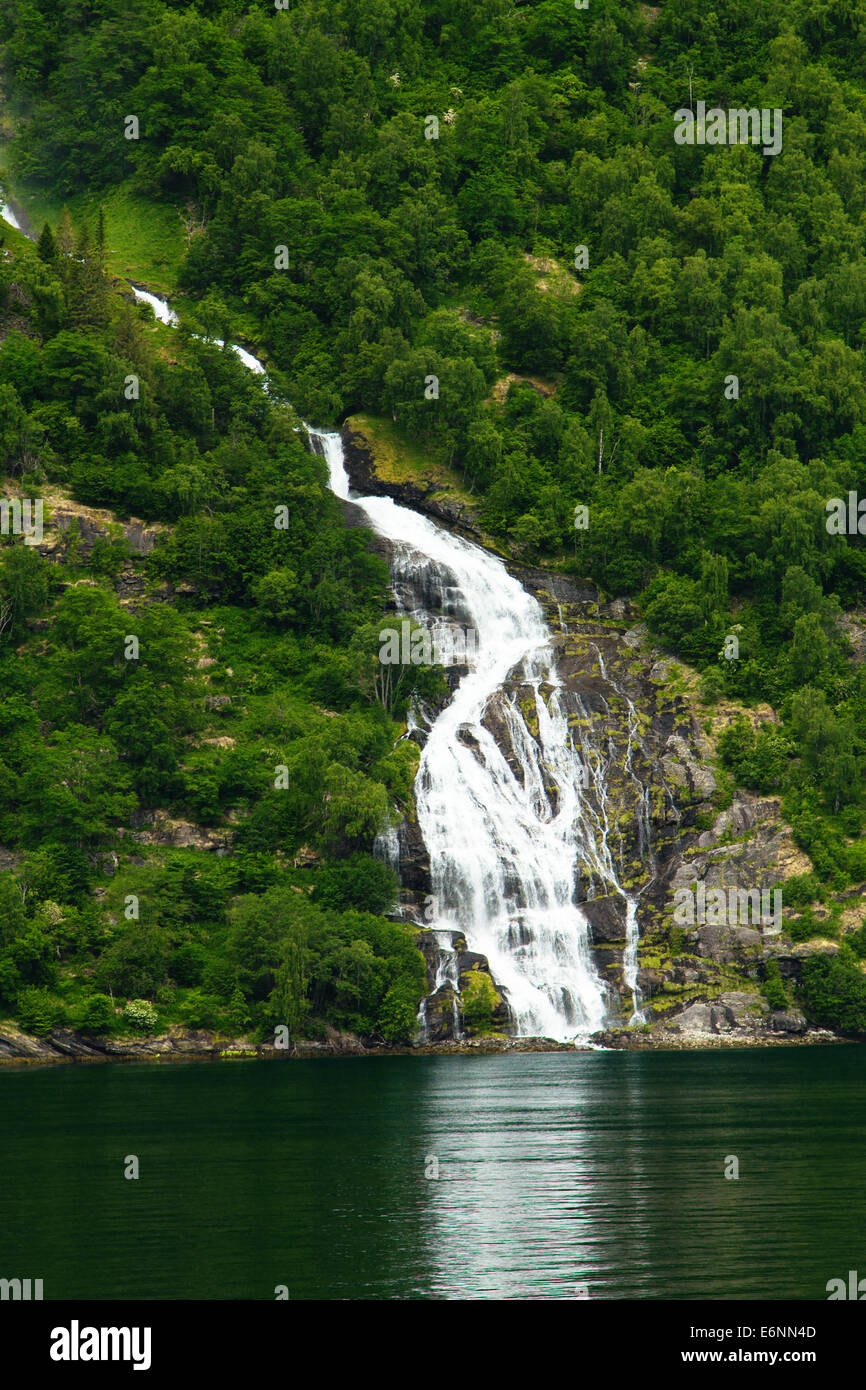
x,y
801,890
478,1000
808,926
135,962
851,820
187,964
712,685
833,991
398,1016
773,989
239,1015
140,1015
757,758
94,1015
856,941
360,881
220,978
38,1012
200,1010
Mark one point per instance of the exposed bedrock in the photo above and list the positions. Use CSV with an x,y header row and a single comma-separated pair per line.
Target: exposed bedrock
x,y
651,797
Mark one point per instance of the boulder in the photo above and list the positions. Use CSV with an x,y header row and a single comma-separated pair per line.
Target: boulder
x,y
606,918
725,944
787,1021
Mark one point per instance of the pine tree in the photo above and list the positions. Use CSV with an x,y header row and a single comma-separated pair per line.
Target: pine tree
x,y
65,239
46,247
87,292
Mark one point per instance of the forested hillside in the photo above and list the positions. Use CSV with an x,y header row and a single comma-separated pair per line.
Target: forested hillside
x,y
384,194
247,698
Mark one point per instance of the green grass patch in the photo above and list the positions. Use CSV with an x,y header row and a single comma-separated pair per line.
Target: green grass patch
x,y
402,460
145,240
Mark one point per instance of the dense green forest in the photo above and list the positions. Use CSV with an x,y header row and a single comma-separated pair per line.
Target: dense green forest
x,y
546,225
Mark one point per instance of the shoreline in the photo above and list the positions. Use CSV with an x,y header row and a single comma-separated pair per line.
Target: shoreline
x,y
65,1048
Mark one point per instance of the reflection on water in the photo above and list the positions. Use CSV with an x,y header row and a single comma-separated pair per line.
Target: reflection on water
x,y
608,1171
556,1171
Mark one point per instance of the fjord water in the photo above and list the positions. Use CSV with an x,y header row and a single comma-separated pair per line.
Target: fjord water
x,y
556,1170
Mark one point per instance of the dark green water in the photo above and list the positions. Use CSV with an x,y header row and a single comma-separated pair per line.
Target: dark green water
x,y
555,1170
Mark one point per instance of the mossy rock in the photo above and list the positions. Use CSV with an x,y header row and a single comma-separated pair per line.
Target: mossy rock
x,y
482,1004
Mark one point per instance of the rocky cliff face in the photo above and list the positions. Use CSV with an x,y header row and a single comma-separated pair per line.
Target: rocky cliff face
x,y
671,825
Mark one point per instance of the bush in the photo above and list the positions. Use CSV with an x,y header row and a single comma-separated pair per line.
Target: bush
x,y
757,758
200,1010
833,992
38,1012
94,1015
186,964
856,941
135,962
773,989
10,980
801,890
140,1015
478,1000
398,1016
220,978
712,685
238,1014
360,881
808,926
851,819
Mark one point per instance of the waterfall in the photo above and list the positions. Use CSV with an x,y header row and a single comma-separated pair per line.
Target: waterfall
x,y
448,973
505,830
386,847
159,306
7,215
166,315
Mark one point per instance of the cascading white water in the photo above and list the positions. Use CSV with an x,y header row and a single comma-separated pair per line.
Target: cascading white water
x,y
632,932
162,312
166,315
7,214
503,839
447,973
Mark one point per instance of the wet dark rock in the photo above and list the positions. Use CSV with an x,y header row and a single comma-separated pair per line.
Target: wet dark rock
x,y
471,960
440,1014
725,944
606,918
788,1021
414,859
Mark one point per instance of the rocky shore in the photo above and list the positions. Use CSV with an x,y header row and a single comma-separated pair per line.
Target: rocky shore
x,y
67,1047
